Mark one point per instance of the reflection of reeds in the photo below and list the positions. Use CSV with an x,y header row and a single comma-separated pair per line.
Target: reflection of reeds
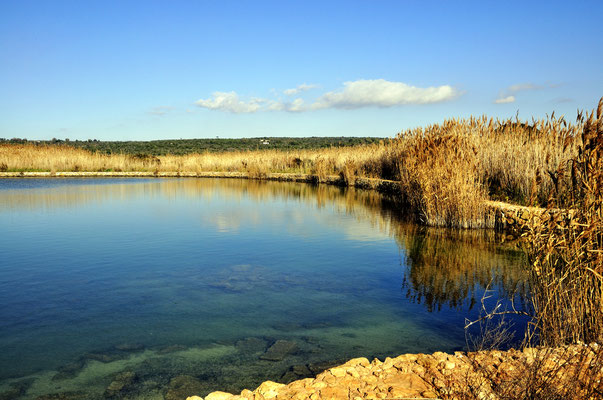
x,y
448,267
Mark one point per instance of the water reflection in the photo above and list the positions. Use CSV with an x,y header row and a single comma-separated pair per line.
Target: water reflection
x,y
194,280
445,267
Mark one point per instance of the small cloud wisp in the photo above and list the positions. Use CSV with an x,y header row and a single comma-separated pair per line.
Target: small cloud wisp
x,y
508,95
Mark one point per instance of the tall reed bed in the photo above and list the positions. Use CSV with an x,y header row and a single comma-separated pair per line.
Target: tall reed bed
x,y
565,250
447,170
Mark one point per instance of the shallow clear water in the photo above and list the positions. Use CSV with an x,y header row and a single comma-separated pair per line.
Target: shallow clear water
x,y
199,277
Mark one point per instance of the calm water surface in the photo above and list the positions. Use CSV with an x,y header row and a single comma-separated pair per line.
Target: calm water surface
x,y
166,278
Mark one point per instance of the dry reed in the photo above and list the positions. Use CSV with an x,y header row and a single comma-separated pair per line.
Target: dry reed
x,y
565,250
447,170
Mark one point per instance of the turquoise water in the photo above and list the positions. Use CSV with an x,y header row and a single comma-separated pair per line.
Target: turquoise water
x,y
166,278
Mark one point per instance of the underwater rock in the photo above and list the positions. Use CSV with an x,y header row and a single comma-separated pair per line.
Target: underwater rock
x,y
130,347
251,345
70,370
296,372
11,393
182,387
64,396
239,278
120,383
171,349
317,368
103,357
17,389
217,396
279,350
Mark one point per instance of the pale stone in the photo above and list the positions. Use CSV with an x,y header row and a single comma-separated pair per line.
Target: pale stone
x,y
358,361
218,396
449,365
194,398
338,372
334,392
319,385
269,389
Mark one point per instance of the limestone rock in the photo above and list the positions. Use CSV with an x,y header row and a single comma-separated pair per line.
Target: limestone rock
x,y
120,383
269,389
217,396
171,349
69,370
103,357
279,350
63,396
182,387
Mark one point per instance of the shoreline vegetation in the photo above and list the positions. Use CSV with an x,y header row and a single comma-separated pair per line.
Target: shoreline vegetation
x,y
447,174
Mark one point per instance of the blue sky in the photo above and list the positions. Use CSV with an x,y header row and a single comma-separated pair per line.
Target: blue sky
x,y
142,70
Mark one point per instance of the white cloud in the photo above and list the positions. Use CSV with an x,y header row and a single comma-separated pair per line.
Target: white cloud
x,y
300,88
229,101
504,100
382,93
353,95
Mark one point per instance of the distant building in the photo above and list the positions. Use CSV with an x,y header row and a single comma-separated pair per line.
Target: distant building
x,y
265,141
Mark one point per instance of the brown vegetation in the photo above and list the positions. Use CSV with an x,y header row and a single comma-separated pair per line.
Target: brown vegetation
x,y
565,249
565,275
446,170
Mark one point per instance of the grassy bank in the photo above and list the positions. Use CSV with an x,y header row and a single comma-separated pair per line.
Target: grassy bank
x,y
447,171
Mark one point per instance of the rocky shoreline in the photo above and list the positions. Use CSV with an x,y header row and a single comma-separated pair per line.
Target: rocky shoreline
x,y
575,371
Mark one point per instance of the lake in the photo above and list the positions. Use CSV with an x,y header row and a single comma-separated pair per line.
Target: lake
x,y
169,285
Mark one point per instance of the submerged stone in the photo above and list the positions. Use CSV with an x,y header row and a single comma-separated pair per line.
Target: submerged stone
x,y
279,350
296,372
11,394
183,386
64,396
16,389
103,357
318,367
251,345
171,349
120,383
70,370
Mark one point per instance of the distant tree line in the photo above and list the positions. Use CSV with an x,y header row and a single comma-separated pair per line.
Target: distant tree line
x,y
188,146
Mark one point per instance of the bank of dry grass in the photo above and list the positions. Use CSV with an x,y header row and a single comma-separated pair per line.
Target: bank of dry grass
x,y
447,170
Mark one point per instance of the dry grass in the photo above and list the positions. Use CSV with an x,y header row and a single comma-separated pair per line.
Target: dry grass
x,y
565,275
447,170
566,250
